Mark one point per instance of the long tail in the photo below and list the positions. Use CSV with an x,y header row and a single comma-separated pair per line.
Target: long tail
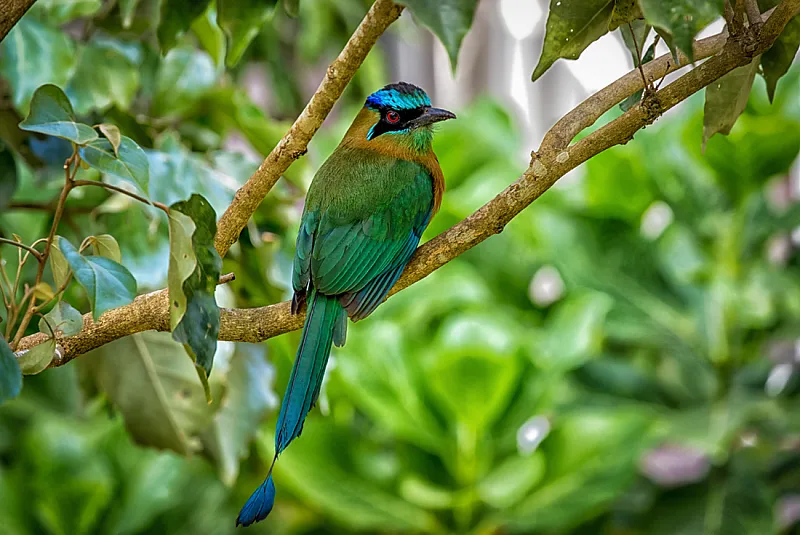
x,y
325,324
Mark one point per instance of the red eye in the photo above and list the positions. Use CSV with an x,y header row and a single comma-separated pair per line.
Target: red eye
x,y
393,117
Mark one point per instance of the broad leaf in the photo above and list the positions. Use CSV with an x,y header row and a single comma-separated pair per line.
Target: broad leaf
x,y
176,17
113,136
242,20
36,359
64,319
108,284
635,40
93,88
106,245
572,25
726,99
450,20
625,11
248,397
776,61
184,75
51,113
131,165
33,54
8,176
10,374
194,268
210,35
681,18
58,264
155,389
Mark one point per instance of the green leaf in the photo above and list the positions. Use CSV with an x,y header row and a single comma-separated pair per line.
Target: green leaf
x,y
65,320
131,165
726,99
682,18
194,268
36,359
450,20
51,113
291,7
106,245
8,176
58,264
115,84
156,391
512,480
33,54
634,99
108,284
210,35
572,25
58,12
113,136
624,12
184,76
242,20
10,374
127,9
776,61
635,40
248,397
176,17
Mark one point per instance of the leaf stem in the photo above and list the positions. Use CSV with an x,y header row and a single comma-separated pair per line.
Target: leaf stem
x,y
647,86
30,250
160,206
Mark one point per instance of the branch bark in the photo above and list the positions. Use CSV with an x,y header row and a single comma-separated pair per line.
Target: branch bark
x,y
10,13
555,158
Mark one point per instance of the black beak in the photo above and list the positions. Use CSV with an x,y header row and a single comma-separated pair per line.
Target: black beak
x,y
432,115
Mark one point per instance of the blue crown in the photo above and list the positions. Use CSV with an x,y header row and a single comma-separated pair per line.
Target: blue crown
x,y
399,96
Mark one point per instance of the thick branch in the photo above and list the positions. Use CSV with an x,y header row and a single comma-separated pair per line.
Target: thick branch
x,y
150,312
294,143
10,13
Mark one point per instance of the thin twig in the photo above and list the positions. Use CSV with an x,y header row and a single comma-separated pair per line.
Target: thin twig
x,y
123,191
58,292
30,250
639,58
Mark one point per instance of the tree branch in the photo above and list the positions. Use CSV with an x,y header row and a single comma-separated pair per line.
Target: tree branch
x,y
554,159
294,143
10,13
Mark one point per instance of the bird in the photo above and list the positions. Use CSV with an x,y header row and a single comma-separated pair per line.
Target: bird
x,y
364,214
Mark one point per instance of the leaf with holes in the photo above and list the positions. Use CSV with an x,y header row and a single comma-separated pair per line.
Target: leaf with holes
x,y
682,19
242,20
450,20
10,374
108,284
194,267
51,113
726,100
131,165
572,25
64,319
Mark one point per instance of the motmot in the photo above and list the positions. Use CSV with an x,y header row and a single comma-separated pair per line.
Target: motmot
x,y
365,212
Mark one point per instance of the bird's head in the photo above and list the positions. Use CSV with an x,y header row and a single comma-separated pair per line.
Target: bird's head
x,y
402,113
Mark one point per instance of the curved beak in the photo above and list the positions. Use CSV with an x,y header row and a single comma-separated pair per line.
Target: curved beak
x,y
432,115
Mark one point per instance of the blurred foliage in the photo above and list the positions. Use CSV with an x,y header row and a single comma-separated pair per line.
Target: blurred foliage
x,y
621,360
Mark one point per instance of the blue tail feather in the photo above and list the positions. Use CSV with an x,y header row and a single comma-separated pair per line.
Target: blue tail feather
x,y
260,503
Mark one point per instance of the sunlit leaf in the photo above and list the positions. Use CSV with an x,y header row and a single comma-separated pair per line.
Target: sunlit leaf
x,y
51,113
194,269
33,54
726,99
108,284
10,374
131,165
572,25
450,20
176,17
512,480
210,35
682,19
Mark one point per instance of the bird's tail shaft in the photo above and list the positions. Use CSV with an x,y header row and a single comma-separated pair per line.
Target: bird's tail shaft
x,y
324,325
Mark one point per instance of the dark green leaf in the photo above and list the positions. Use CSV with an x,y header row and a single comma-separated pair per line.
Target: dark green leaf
x,y
51,113
291,7
156,391
777,60
242,20
131,165
636,40
113,136
64,320
106,245
108,284
33,54
682,18
210,35
8,176
176,17
93,88
726,99
572,25
183,76
625,11
194,268
450,20
10,374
